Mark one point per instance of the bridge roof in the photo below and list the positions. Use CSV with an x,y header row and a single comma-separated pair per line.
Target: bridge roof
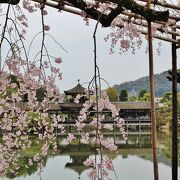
x,y
70,105
133,105
60,106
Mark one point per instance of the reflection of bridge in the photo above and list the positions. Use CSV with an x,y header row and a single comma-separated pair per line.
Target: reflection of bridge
x,y
132,126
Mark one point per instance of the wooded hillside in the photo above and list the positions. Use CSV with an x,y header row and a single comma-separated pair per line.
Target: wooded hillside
x,y
162,85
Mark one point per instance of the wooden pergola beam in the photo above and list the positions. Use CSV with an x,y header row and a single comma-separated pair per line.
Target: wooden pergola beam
x,y
76,11
162,4
144,24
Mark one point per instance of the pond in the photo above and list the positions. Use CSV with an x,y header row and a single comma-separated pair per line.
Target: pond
x,y
132,161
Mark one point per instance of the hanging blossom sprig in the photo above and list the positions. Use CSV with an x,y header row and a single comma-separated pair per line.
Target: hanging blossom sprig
x,y
97,123
25,101
85,122
22,113
125,35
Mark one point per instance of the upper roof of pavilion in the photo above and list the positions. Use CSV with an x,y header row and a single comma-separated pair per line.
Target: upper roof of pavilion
x,y
78,89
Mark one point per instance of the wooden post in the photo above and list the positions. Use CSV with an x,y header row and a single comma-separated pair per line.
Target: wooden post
x,y
174,113
153,113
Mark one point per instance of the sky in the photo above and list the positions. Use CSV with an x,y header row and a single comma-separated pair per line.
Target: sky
x,y
77,38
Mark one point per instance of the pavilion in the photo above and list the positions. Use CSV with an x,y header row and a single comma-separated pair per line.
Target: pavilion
x,y
69,105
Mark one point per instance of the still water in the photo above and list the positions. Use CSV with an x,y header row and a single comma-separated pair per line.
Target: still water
x,y
133,161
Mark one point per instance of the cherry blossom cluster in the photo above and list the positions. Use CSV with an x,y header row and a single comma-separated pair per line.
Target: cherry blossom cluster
x,y
95,129
126,35
100,169
22,114
19,119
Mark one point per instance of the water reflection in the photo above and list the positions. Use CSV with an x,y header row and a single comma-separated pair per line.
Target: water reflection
x,y
133,155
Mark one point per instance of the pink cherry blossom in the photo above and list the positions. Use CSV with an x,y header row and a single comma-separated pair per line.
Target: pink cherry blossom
x,y
69,138
79,125
46,27
85,138
58,60
89,162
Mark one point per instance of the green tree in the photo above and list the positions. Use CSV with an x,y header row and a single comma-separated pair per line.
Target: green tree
x,y
123,95
112,93
142,92
167,98
132,98
164,113
146,97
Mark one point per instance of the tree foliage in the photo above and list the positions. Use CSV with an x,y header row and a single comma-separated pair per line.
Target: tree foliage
x,y
142,92
112,94
123,96
161,84
167,97
132,98
146,97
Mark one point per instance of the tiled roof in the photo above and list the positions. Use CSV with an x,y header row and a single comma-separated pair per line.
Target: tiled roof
x,y
75,90
133,105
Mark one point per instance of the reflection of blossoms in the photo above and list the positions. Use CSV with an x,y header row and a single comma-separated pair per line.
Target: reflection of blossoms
x,y
93,174
89,162
109,165
100,167
30,162
44,149
37,157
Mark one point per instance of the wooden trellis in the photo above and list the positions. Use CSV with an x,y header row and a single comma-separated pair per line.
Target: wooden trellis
x,y
143,25
141,13
136,19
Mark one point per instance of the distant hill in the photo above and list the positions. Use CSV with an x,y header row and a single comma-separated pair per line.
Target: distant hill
x,y
162,85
